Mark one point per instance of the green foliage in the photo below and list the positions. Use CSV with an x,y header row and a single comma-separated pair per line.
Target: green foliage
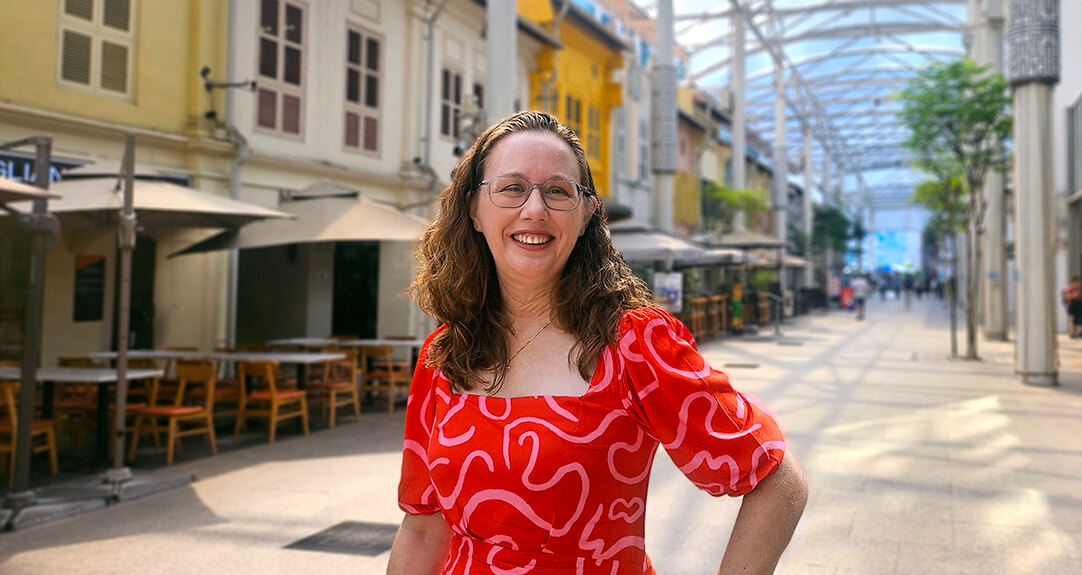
x,y
720,202
959,118
830,228
946,199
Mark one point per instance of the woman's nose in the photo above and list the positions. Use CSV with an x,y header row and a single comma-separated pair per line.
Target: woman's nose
x,y
535,204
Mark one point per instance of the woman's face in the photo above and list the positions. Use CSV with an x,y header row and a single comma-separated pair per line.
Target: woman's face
x,y
531,243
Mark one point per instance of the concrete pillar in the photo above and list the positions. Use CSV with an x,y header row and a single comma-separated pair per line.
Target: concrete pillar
x,y
809,183
840,190
994,280
663,100
781,157
827,195
1032,70
501,29
737,80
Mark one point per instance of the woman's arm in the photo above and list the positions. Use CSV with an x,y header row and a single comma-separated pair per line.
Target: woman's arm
x,y
421,545
768,516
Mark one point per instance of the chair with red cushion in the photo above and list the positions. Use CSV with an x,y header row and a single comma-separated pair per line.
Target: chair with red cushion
x,y
10,422
338,385
182,419
381,374
263,398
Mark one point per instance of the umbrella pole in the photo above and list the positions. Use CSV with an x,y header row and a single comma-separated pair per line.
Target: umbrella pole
x,y
43,231
119,473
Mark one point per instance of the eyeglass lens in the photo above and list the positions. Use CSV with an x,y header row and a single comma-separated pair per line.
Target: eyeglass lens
x,y
512,192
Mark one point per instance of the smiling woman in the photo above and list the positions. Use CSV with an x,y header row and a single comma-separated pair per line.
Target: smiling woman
x,y
538,404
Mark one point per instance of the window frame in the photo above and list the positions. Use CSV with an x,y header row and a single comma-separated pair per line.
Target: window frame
x,y
278,84
454,107
361,108
99,33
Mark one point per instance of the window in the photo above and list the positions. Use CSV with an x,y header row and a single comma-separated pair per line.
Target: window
x,y
634,82
573,114
644,149
450,102
96,45
479,95
363,95
593,132
619,150
279,100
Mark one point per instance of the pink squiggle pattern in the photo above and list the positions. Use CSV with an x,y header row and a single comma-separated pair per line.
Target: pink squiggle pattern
x,y
499,540
597,546
715,464
607,372
447,501
503,496
609,418
662,362
482,405
462,437
759,453
681,430
555,407
635,503
630,448
556,478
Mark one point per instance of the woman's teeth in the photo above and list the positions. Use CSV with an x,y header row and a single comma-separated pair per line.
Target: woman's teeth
x,y
531,239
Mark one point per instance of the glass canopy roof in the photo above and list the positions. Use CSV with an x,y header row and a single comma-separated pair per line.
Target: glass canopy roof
x,y
843,61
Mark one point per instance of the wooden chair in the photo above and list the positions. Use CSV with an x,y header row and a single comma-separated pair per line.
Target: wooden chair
x,y
190,374
10,423
76,404
381,374
338,385
269,400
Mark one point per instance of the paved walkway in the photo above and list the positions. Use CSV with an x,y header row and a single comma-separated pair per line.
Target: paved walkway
x,y
918,464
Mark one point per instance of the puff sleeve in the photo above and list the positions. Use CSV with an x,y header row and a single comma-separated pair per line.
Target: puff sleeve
x,y
722,442
416,494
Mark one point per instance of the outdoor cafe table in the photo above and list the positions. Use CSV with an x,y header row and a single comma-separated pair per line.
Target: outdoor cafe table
x,y
414,345
301,359
102,377
307,342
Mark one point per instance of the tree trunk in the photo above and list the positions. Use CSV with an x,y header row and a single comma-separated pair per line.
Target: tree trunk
x,y
952,297
972,281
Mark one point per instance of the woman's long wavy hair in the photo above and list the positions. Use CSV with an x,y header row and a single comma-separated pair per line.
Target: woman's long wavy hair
x,y
456,280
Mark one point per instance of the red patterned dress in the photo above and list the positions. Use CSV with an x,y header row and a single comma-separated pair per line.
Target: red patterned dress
x,y
551,485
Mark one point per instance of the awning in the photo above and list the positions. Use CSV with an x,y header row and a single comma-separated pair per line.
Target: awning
x,y
768,258
641,243
12,191
157,204
327,219
747,239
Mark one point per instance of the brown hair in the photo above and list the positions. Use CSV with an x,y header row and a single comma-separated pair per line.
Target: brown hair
x,y
456,278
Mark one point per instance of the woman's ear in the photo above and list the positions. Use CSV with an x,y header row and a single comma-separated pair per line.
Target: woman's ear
x,y
473,212
589,214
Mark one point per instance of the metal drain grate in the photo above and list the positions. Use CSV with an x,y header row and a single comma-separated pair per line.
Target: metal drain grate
x,y
742,365
351,538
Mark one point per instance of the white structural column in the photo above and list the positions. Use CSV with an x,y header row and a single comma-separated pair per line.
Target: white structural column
x,y
501,29
663,100
1032,69
781,157
737,80
809,183
840,190
994,281
827,195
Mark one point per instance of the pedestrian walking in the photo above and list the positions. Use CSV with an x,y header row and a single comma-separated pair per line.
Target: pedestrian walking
x,y
1072,300
907,289
538,403
860,295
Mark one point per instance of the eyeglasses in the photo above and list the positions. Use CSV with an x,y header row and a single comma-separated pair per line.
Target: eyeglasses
x,y
513,191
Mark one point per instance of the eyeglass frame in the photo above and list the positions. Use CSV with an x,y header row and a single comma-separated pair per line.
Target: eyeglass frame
x,y
583,191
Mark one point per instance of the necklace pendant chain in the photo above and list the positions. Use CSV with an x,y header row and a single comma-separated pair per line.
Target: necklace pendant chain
x,y
508,364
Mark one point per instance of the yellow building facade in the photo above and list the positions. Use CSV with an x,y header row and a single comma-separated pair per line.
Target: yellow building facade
x,y
86,72
575,82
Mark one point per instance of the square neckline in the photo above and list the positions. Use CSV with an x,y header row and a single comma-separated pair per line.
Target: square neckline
x,y
589,388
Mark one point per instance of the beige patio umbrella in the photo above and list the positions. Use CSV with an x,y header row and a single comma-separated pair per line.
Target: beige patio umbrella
x,y
158,204
12,191
320,219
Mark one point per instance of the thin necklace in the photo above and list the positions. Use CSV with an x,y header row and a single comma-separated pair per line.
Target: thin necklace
x,y
507,365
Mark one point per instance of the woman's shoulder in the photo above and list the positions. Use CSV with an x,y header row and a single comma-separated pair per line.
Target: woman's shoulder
x,y
638,318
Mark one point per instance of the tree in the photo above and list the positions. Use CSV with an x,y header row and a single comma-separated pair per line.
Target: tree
x,y
830,231
720,203
959,121
948,202
858,234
